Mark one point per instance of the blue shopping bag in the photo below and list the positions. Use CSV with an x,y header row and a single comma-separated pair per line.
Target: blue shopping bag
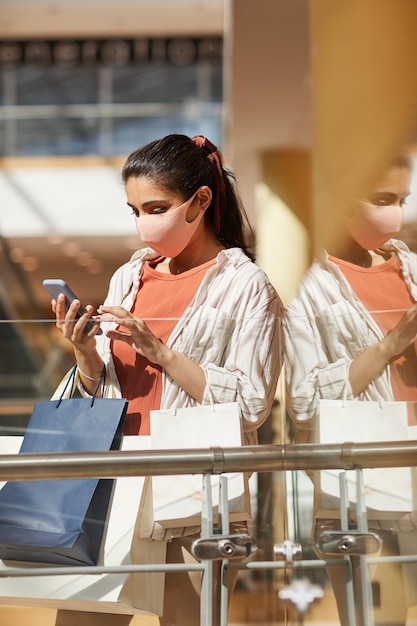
x,y
62,521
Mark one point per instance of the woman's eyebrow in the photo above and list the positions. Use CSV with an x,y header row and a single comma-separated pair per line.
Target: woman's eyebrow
x,y
148,202
384,194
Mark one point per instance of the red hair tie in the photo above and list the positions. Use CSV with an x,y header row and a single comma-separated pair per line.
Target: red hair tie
x,y
213,156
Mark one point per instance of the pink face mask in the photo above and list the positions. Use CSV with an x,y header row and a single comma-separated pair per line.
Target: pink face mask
x,y
371,226
168,233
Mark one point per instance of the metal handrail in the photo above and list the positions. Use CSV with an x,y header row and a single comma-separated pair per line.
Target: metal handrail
x,y
259,458
215,460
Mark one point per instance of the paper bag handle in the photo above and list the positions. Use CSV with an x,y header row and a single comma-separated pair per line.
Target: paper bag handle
x,y
71,379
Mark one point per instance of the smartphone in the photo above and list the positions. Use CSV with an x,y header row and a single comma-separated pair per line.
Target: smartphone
x,y
55,286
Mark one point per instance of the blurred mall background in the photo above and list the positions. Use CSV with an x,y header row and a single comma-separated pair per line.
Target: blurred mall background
x,y
82,84
85,83
304,98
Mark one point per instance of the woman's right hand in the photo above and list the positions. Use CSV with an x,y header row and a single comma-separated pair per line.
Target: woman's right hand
x,y
73,328
90,364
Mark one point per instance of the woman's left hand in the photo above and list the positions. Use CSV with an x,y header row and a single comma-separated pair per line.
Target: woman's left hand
x,y
134,331
184,371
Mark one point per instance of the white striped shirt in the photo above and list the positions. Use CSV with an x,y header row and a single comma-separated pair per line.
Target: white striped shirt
x,y
232,329
326,326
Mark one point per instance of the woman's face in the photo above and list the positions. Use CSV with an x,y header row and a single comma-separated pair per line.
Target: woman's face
x,y
165,221
379,216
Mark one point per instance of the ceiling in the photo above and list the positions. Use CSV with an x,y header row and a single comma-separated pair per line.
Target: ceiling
x,y
63,18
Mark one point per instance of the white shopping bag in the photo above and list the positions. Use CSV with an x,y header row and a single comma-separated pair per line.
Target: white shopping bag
x,y
176,500
385,489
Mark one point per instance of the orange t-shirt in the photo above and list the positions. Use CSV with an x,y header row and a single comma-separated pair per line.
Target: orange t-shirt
x,y
382,290
160,302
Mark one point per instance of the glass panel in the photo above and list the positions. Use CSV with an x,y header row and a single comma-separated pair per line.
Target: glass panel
x,y
57,136
153,83
56,85
364,519
33,360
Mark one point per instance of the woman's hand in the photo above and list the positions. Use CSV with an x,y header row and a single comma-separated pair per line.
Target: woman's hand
x,y
90,364
135,332
374,359
184,371
403,334
73,328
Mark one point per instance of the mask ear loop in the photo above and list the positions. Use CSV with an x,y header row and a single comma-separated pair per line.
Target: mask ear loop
x,y
214,157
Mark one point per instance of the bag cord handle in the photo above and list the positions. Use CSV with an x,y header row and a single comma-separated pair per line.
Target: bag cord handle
x,y
71,379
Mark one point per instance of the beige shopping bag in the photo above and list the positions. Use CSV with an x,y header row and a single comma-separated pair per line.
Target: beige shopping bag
x,y
176,500
385,489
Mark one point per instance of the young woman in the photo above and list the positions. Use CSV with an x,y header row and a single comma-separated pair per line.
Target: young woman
x,y
351,331
190,318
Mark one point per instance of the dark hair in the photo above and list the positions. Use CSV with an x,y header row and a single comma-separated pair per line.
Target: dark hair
x,y
177,163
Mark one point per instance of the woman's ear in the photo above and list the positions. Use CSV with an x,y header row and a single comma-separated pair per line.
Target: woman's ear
x,y
204,196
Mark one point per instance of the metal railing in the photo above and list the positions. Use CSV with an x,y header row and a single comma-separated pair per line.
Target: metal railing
x,y
260,458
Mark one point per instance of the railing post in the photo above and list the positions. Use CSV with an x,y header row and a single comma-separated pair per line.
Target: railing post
x,y
366,588
206,596
344,525
223,594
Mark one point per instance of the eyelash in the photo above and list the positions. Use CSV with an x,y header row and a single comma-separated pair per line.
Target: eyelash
x,y
402,203
156,211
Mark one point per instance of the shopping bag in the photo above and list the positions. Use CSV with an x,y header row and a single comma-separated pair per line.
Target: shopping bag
x,y
385,489
95,592
176,501
62,521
